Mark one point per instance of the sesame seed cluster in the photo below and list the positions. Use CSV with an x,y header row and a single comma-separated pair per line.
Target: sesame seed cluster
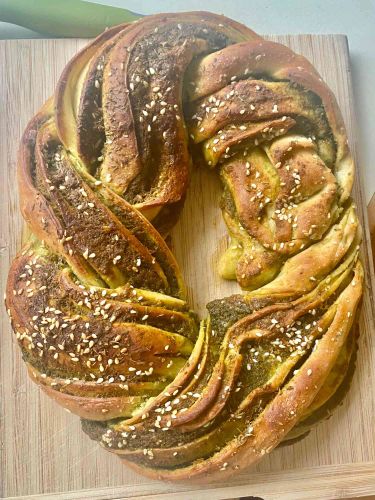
x,y
95,296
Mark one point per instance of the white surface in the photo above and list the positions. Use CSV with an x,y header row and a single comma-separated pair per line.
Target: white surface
x,y
355,18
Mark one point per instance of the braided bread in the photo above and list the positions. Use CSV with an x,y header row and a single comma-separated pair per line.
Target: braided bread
x,y
95,296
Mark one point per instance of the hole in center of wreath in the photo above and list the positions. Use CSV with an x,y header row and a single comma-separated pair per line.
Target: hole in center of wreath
x,y
199,239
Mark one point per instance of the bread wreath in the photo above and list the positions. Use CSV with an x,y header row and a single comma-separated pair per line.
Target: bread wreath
x,y
96,298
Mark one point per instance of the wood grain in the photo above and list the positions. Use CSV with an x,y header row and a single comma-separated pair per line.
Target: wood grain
x,y
43,452
318,483
371,220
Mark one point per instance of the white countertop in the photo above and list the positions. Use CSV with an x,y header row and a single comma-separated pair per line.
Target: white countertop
x,y
354,18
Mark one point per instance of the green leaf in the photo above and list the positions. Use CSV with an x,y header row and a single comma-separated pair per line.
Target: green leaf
x,y
64,18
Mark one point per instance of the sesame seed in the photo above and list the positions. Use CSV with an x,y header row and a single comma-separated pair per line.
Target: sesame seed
x,y
116,259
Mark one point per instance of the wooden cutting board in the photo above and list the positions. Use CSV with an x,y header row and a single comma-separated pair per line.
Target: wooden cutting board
x,y
44,453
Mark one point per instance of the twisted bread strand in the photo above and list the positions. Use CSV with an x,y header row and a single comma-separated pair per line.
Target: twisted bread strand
x,y
96,298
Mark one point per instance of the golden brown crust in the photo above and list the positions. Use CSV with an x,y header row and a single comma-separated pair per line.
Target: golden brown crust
x,y
96,298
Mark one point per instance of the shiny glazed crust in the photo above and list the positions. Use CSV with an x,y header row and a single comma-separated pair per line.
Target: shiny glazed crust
x,y
96,298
